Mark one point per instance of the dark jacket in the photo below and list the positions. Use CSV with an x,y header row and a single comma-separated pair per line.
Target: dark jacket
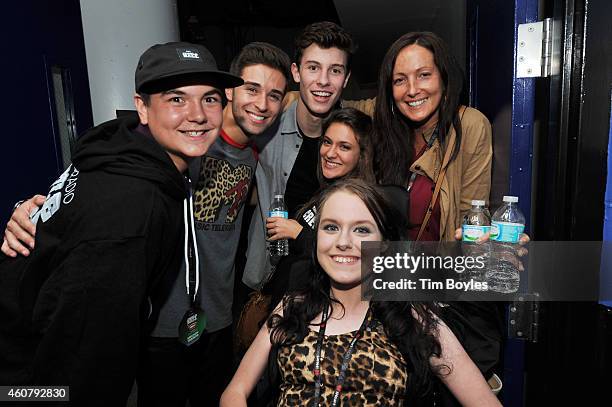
x,y
108,237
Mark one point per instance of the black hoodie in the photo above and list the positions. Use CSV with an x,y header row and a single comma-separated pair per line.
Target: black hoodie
x,y
108,238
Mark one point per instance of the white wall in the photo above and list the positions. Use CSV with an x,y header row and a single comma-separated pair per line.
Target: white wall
x,y
116,33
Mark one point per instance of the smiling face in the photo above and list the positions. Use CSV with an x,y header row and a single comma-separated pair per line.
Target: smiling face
x,y
417,85
185,121
257,103
345,222
339,151
322,74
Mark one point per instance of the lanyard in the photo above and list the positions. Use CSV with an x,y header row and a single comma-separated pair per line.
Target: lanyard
x,y
426,147
193,323
345,359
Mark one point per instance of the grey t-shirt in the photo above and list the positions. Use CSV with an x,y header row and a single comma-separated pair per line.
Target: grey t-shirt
x,y
221,180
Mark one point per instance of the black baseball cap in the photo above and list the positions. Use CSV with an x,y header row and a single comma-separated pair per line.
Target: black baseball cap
x,y
174,64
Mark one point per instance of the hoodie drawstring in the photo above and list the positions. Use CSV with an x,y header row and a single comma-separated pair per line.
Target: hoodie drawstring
x,y
190,245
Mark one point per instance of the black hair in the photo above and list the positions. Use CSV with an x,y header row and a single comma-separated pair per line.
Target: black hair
x,y
393,134
411,326
262,53
361,124
146,97
326,35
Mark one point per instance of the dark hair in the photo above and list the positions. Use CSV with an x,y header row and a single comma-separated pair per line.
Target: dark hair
x,y
326,35
146,97
262,53
361,124
393,133
411,326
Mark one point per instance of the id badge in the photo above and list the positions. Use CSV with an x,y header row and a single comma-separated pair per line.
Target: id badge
x,y
192,326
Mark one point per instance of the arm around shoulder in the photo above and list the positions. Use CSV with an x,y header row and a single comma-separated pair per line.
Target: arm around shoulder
x,y
20,231
365,105
289,98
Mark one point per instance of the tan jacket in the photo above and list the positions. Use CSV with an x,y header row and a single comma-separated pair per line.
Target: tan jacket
x,y
468,176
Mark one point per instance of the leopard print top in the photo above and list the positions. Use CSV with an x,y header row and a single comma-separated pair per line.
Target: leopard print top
x,y
376,375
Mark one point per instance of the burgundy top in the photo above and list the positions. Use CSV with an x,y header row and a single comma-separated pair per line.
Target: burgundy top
x,y
420,196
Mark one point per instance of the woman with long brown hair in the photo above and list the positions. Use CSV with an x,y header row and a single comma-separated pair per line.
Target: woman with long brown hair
x,y
426,141
418,120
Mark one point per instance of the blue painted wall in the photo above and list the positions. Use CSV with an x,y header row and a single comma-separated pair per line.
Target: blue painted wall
x,y
606,263
36,35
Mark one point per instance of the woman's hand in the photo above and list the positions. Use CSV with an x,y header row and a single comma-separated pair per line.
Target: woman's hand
x,y
481,239
523,240
521,252
281,228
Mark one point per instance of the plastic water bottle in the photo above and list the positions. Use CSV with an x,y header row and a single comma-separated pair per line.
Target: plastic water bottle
x,y
476,223
506,227
278,248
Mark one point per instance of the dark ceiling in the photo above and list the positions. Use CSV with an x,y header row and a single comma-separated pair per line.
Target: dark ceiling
x,y
226,26
273,13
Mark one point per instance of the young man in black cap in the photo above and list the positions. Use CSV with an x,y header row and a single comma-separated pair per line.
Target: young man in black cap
x,y
171,372
110,235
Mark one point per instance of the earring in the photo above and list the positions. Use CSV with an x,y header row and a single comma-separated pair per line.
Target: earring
x,y
392,110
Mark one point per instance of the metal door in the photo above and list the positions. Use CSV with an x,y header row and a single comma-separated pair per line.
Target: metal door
x,y
509,103
551,137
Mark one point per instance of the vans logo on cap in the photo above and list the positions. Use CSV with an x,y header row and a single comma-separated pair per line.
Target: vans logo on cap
x,y
191,54
187,54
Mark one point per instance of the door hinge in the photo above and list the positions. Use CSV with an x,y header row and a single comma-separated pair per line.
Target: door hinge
x,y
535,49
524,317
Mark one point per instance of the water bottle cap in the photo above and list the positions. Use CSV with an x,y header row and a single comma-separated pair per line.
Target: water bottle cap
x,y
478,202
511,199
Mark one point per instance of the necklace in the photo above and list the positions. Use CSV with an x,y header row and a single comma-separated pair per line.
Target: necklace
x,y
345,359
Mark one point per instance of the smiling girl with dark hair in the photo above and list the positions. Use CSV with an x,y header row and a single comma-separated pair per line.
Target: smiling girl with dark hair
x,y
330,347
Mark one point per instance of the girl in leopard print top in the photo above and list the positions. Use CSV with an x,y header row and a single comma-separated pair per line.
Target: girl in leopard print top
x,y
414,345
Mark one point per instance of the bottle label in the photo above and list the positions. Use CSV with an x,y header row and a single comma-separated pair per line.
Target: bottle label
x,y
506,231
278,214
471,233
